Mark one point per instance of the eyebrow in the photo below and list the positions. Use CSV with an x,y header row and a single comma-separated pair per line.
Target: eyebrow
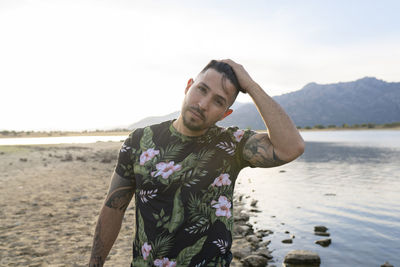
x,y
219,96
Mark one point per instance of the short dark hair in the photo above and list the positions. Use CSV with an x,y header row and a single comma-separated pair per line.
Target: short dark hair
x,y
226,71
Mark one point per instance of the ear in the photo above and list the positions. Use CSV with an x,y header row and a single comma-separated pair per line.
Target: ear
x,y
189,84
226,114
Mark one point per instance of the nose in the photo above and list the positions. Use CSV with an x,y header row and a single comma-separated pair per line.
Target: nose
x,y
203,103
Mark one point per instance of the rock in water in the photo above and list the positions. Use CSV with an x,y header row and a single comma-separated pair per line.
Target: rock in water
x,y
320,228
323,242
287,241
322,233
255,261
240,248
302,257
387,264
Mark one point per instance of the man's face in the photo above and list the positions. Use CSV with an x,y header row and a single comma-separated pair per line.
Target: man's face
x,y
207,100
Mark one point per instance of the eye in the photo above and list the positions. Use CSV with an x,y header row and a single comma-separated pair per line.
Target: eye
x,y
219,102
202,89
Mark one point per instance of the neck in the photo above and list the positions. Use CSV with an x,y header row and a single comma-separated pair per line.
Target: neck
x,y
182,129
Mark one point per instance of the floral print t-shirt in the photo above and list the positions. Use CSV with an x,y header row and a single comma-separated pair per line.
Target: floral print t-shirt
x,y
184,191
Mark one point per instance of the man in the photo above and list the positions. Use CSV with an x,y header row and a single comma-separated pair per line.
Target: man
x,y
182,173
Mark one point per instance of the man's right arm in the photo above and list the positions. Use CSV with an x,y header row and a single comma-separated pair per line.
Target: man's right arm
x,y
109,223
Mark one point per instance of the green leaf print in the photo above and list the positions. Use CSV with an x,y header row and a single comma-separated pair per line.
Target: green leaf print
x,y
161,246
146,141
171,152
203,157
177,212
140,263
128,170
199,215
226,167
189,161
138,169
161,219
186,255
142,233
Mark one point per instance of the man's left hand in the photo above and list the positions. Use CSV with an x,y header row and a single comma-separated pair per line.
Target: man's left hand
x,y
244,79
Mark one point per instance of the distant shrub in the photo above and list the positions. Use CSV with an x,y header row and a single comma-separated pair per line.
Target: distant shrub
x,y
345,125
391,125
298,127
331,126
319,126
371,125
307,127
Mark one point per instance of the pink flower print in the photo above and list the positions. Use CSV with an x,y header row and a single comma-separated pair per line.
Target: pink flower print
x,y
238,135
221,180
166,169
164,263
223,207
146,250
148,155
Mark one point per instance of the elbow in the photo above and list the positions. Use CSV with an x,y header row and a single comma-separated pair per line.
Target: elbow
x,y
296,151
300,148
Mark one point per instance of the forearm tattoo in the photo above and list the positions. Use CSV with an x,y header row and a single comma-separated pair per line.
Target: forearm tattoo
x,y
259,151
96,259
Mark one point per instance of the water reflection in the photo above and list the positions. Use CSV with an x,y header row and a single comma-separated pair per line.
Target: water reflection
x,y
353,190
333,152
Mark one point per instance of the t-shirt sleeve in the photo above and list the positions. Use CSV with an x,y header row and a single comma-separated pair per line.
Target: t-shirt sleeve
x,y
242,136
126,158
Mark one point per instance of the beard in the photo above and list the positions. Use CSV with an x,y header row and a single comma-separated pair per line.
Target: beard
x,y
191,123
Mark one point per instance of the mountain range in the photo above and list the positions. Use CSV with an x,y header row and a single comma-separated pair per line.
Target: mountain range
x,y
367,100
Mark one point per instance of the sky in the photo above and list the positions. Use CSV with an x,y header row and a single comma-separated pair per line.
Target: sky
x,y
96,64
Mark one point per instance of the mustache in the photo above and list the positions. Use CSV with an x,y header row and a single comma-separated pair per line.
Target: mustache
x,y
199,111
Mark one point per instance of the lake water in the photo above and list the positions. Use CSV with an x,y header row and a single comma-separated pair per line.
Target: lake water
x,y
349,182
59,140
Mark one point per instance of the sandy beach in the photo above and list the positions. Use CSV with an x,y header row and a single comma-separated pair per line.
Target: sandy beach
x,y
51,196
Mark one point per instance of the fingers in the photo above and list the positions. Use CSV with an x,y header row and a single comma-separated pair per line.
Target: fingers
x,y
241,74
231,62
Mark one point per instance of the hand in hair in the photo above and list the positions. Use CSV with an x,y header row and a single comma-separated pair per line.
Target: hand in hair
x,y
244,79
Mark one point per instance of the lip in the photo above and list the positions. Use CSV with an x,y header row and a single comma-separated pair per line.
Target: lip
x,y
196,114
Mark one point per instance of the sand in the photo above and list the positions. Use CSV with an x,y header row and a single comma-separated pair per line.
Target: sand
x,y
50,199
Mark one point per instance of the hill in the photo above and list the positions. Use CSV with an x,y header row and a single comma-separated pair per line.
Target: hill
x,y
367,100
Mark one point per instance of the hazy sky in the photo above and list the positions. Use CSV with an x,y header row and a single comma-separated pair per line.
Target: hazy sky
x,y
87,64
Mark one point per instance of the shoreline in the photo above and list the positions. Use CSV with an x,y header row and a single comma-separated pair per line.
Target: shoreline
x,y
121,133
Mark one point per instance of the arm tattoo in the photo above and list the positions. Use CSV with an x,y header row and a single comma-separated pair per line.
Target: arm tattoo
x,y
120,193
120,198
259,151
96,259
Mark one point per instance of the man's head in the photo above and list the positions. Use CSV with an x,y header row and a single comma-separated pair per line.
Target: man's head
x,y
226,72
209,96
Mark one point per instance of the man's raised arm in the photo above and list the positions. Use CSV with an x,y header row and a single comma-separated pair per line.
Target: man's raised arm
x,y
110,218
283,142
